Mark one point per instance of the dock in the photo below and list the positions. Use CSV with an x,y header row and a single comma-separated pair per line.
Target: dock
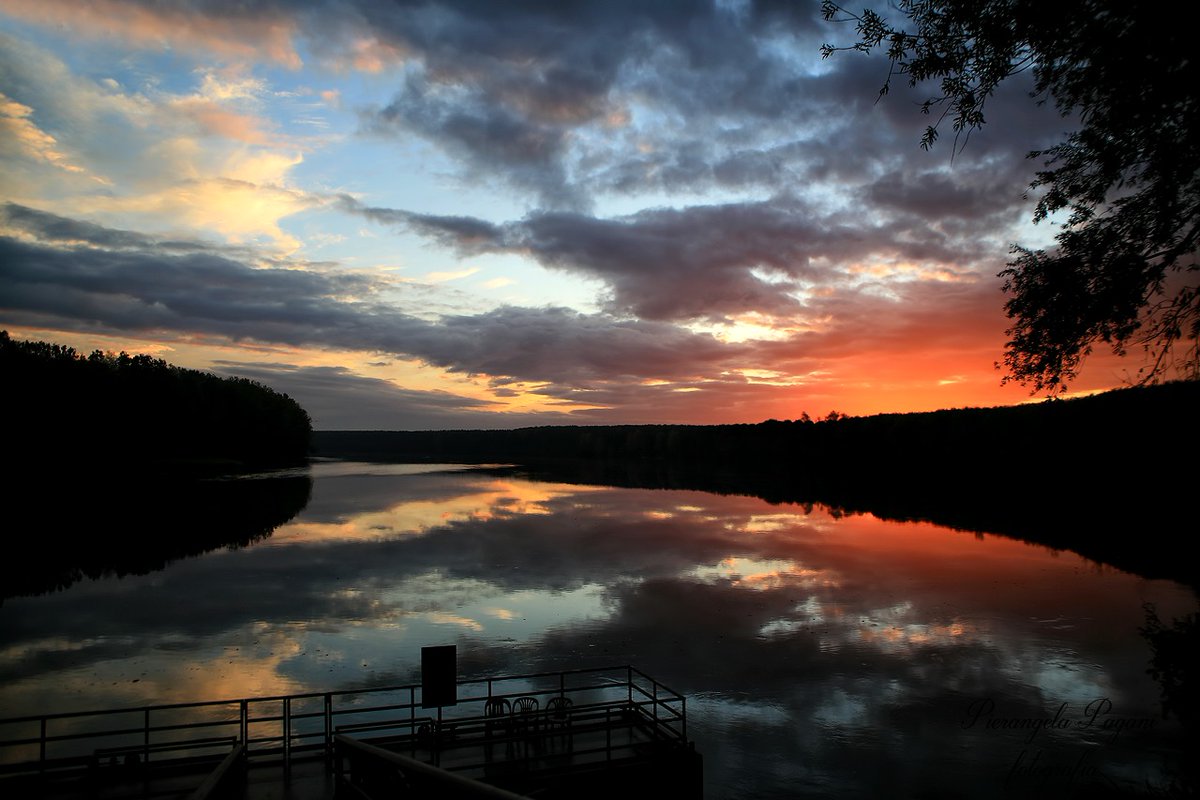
x,y
577,733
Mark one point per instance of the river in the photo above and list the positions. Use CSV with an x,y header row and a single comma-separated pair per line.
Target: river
x,y
822,654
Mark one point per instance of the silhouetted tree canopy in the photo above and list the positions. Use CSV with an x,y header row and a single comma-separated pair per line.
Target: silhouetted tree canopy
x,y
1124,269
58,404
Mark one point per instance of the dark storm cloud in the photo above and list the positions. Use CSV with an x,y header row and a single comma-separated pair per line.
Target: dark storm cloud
x,y
484,137
52,228
569,100
508,88
973,194
210,293
338,399
574,100
672,264
133,290
571,103
565,346
709,262
466,235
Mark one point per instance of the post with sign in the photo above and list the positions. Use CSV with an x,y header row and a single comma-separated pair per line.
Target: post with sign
x,y
439,677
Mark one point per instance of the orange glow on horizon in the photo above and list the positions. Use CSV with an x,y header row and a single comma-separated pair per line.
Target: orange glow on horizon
x,y
857,384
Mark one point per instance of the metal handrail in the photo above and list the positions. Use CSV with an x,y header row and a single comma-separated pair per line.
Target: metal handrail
x,y
309,731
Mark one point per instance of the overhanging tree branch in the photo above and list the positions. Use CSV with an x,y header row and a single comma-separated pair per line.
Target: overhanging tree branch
x,y
1125,267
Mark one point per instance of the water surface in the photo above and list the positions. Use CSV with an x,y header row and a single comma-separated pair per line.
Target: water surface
x,y
822,655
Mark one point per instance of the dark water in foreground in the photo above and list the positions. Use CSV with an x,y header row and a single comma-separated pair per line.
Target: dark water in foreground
x,y
821,656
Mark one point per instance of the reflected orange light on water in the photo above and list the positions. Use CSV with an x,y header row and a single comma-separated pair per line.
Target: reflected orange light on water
x,y
904,587
480,502
529,573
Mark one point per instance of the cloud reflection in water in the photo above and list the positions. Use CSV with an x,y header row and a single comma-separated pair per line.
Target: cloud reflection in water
x,y
810,645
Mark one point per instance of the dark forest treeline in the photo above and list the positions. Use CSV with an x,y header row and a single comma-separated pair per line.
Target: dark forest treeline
x,y
105,458
1111,476
60,405
1129,424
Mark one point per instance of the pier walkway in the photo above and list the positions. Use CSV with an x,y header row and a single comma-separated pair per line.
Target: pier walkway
x,y
578,734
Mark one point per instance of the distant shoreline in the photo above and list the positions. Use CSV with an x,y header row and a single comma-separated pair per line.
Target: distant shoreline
x,y
1090,475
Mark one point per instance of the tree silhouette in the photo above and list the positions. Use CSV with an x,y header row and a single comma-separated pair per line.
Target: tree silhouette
x,y
1124,270
135,408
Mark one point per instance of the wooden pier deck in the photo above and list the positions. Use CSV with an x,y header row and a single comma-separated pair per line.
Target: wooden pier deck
x,y
578,734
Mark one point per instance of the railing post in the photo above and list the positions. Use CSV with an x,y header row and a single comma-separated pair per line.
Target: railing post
x,y
412,718
655,685
629,682
146,736
244,725
608,734
683,721
287,734
328,699
42,747
328,724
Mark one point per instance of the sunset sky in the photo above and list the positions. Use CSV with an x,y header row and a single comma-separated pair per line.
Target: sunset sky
x,y
484,214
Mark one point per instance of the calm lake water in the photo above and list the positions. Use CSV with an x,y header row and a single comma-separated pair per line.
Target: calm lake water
x,y
822,655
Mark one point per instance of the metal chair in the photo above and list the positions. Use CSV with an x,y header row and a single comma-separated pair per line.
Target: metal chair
x,y
497,717
497,707
558,712
525,705
524,712
497,711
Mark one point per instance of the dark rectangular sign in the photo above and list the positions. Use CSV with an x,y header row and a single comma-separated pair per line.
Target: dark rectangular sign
x,y
439,676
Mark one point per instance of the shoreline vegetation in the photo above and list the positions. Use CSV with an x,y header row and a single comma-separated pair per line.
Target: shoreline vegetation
x,y
141,412
114,463
1107,476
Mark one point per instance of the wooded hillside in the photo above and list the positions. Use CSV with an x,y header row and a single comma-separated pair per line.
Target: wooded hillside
x,y
58,405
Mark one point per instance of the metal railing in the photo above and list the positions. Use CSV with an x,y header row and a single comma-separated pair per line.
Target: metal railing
x,y
283,728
